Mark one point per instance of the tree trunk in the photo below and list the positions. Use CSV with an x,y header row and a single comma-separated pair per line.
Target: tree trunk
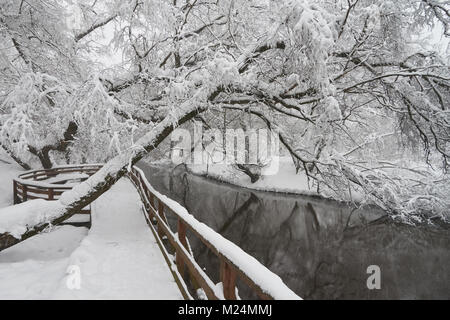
x,y
44,157
61,146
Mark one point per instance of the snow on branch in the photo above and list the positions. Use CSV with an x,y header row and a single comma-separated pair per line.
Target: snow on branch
x,y
94,27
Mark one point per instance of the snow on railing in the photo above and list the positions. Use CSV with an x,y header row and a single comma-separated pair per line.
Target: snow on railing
x,y
47,183
234,262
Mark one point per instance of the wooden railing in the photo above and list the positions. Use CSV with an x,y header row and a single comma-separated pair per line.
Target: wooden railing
x,y
33,185
234,262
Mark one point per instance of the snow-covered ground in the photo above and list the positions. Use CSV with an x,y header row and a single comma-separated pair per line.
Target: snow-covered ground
x,y
119,258
35,268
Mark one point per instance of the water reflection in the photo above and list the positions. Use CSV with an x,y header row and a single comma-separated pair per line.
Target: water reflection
x,y
321,249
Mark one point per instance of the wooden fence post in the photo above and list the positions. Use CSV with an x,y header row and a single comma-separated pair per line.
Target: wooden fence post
x,y
181,229
228,278
24,193
15,198
151,199
145,195
51,194
181,266
161,215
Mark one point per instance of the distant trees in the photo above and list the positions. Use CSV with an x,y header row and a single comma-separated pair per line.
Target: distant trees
x,y
358,103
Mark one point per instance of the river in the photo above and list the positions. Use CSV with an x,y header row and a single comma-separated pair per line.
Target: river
x,y
320,248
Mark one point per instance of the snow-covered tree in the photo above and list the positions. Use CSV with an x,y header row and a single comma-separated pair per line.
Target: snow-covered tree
x,y
44,67
340,81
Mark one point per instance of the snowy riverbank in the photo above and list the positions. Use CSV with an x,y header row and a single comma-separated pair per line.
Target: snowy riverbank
x,y
285,181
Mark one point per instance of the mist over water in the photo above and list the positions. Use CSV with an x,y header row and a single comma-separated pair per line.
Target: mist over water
x,y
320,248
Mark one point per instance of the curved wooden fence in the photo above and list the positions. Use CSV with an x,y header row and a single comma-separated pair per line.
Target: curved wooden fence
x,y
234,262
49,184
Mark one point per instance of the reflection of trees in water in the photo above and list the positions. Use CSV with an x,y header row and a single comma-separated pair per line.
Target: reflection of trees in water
x,y
321,249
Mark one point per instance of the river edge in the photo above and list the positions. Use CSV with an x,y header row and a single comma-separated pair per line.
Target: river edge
x,y
292,193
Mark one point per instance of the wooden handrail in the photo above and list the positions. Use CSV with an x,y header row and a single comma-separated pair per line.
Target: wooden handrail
x,y
31,184
43,174
184,260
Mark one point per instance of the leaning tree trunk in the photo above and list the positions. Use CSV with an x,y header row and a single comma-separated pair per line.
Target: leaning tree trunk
x,y
83,194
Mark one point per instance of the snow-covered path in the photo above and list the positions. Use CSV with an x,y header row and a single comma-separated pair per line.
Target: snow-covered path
x,y
34,268
119,258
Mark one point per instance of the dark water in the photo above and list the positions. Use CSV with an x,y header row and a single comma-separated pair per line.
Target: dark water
x,y
320,248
